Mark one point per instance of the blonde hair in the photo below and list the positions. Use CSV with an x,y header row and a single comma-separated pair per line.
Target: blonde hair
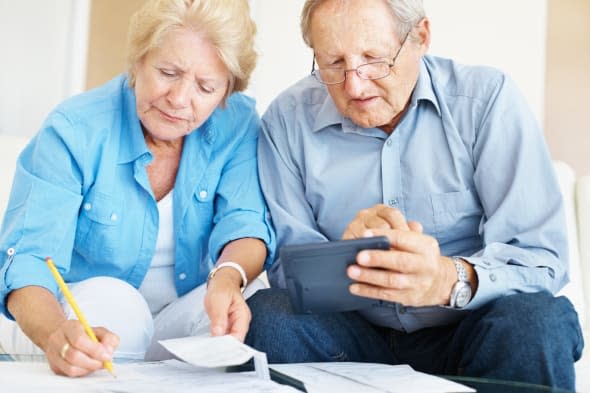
x,y
226,24
406,12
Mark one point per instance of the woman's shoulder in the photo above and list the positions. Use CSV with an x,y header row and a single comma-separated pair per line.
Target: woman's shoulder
x,y
86,121
238,112
105,101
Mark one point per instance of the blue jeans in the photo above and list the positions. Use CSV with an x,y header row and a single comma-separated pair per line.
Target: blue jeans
x,y
529,337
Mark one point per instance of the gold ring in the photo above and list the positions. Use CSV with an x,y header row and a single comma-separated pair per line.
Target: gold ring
x,y
64,349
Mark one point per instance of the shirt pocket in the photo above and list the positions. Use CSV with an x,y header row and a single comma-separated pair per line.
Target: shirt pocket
x,y
204,199
98,233
456,215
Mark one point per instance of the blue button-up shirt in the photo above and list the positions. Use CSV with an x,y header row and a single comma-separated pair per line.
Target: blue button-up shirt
x,y
81,194
468,161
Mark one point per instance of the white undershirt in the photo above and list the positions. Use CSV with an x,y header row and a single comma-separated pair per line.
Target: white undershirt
x,y
158,287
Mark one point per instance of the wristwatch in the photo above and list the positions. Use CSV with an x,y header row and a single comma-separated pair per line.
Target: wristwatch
x,y
461,292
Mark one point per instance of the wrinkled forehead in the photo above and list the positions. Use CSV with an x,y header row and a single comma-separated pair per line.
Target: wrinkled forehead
x,y
338,25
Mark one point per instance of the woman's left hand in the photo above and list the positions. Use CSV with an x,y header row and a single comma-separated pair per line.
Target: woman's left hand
x,y
225,305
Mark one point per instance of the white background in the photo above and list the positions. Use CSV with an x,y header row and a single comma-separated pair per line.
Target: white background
x,y
43,49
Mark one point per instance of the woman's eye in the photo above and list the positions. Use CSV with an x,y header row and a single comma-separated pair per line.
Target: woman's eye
x,y
207,89
167,73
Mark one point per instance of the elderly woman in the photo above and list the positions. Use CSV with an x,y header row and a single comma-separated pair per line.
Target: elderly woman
x,y
136,190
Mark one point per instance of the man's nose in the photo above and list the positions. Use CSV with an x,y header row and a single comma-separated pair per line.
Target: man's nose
x,y
353,83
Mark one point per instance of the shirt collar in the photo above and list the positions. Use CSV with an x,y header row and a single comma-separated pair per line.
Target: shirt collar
x,y
424,89
132,143
329,115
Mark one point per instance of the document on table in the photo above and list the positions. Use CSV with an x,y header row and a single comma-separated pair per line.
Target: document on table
x,y
203,371
146,377
344,377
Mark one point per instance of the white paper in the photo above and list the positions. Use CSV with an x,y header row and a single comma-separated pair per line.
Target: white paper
x,y
344,377
218,351
145,377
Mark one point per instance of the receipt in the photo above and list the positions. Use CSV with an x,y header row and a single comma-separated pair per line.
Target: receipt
x,y
218,351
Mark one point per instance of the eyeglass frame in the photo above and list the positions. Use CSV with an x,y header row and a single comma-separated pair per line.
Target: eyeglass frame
x,y
315,72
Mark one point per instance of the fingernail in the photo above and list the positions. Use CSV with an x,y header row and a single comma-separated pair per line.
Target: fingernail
x,y
217,331
368,233
354,272
353,289
362,257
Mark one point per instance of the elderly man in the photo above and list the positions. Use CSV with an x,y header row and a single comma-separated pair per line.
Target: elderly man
x,y
446,161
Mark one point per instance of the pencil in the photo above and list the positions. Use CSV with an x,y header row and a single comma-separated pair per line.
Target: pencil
x,y
68,295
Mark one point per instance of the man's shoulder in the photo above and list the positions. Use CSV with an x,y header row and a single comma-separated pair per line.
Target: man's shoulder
x,y
305,94
458,79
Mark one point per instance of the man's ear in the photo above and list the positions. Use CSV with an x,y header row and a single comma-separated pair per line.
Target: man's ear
x,y
422,34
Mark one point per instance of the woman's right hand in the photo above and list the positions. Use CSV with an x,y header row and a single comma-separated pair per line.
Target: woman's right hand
x,y
71,352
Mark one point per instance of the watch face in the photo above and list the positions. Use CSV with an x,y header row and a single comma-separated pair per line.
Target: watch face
x,y
463,296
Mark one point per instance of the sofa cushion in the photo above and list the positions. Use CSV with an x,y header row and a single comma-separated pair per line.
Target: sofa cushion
x,y
574,290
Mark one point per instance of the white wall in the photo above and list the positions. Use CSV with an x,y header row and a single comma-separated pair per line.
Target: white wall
x,y
43,49
284,57
507,34
503,33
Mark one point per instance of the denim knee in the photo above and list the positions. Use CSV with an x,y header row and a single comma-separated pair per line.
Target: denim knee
x,y
289,337
528,337
540,315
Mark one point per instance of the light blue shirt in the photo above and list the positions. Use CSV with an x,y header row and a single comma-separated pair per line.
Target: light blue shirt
x,y
81,195
468,161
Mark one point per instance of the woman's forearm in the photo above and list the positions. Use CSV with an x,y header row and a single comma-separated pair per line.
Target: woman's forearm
x,y
249,252
37,312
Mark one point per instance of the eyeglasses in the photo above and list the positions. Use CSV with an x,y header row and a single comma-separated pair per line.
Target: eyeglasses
x,y
367,71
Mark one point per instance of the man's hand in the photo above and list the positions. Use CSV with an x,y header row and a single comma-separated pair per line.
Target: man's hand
x,y
378,217
412,272
225,305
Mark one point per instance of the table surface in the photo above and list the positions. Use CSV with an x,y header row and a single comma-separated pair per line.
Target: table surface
x,y
486,385
482,385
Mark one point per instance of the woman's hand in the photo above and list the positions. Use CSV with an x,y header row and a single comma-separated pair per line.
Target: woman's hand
x,y
71,352
67,347
225,305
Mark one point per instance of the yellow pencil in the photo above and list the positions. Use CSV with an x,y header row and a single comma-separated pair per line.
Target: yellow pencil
x,y
66,292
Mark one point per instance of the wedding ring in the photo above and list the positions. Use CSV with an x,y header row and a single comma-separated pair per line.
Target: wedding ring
x,y
64,349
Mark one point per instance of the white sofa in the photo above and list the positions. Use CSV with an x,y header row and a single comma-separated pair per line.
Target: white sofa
x,y
576,191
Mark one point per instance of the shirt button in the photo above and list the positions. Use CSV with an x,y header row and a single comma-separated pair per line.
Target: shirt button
x,y
392,202
181,276
114,217
87,206
389,142
493,277
402,310
203,194
10,251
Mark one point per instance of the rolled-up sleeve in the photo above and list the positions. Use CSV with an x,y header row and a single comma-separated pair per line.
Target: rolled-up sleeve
x,y
42,211
240,209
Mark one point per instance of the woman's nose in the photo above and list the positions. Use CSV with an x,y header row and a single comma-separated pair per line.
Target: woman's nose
x,y
180,93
